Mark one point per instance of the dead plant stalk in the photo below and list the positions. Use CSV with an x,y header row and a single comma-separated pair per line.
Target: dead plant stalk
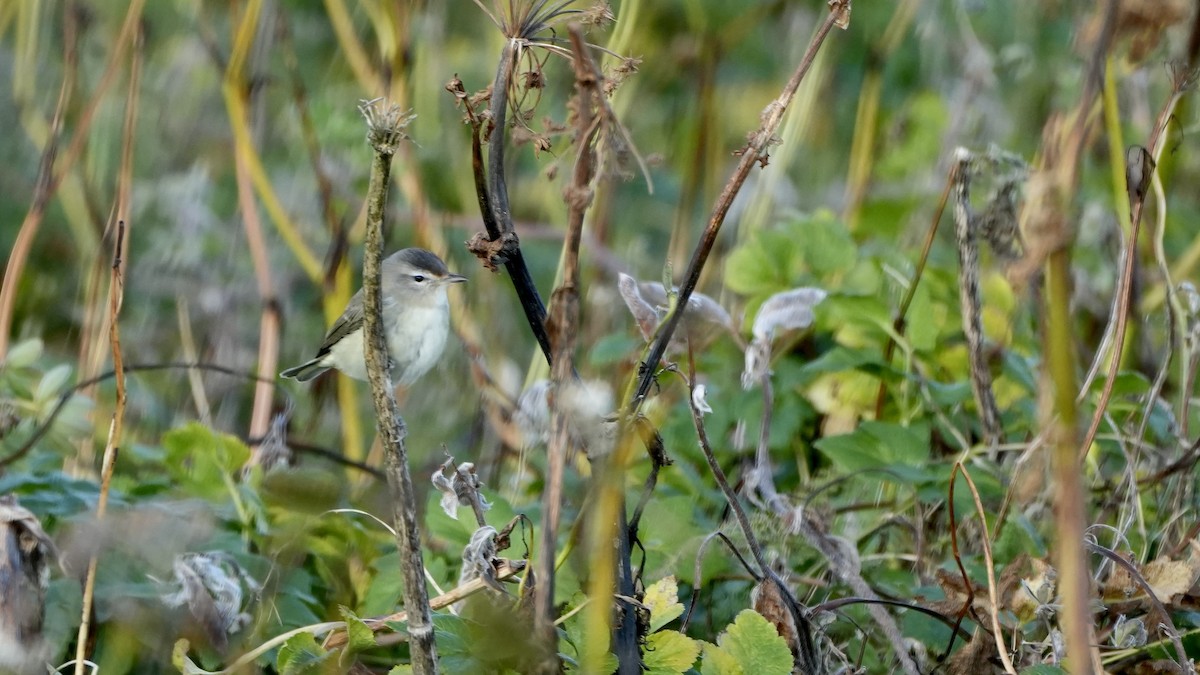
x,y
564,318
116,294
385,131
754,152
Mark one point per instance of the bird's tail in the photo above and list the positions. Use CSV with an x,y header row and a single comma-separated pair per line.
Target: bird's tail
x,y
305,371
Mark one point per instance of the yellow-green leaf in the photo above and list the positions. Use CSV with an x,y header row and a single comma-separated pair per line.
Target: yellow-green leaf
x,y
717,661
663,600
756,645
669,652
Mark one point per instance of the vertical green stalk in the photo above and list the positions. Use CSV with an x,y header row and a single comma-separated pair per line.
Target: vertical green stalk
x,y
1070,560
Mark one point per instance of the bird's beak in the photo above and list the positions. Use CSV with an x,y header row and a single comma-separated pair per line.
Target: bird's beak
x,y
454,279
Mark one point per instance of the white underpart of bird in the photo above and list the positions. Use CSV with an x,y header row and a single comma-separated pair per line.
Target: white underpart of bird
x,y
416,322
424,328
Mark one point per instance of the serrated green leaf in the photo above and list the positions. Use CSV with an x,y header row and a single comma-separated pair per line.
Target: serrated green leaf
x,y
756,645
669,652
301,654
360,635
717,661
663,600
403,669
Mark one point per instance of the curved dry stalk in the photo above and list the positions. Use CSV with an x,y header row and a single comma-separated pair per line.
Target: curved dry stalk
x,y
900,322
43,189
1141,169
809,660
116,298
754,152
116,295
993,595
564,321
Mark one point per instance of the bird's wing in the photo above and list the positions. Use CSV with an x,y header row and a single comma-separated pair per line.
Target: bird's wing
x,y
351,320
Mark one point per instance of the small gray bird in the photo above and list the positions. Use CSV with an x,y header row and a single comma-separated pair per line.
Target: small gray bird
x,y
416,319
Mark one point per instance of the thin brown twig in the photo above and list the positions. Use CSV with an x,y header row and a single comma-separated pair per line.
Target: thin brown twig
x,y
67,393
1044,221
985,542
808,659
268,345
116,294
899,324
754,152
43,187
1141,166
564,329
506,569
385,132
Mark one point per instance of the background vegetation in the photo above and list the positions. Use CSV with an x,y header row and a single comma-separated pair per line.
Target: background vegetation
x,y
225,138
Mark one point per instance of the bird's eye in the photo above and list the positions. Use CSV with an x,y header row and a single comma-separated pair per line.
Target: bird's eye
x,y
418,278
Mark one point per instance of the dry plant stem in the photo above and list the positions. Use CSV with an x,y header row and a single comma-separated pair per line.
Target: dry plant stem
x,y
50,176
809,660
268,345
1056,180
764,483
500,223
188,344
116,297
384,133
116,294
985,542
564,317
1137,200
754,152
336,630
43,188
505,571
967,243
900,323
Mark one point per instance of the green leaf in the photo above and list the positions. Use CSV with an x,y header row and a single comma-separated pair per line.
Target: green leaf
x,y
756,645
663,600
301,654
878,445
360,635
717,661
202,460
52,383
24,354
669,652
1043,669
825,244
575,636
758,268
403,669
